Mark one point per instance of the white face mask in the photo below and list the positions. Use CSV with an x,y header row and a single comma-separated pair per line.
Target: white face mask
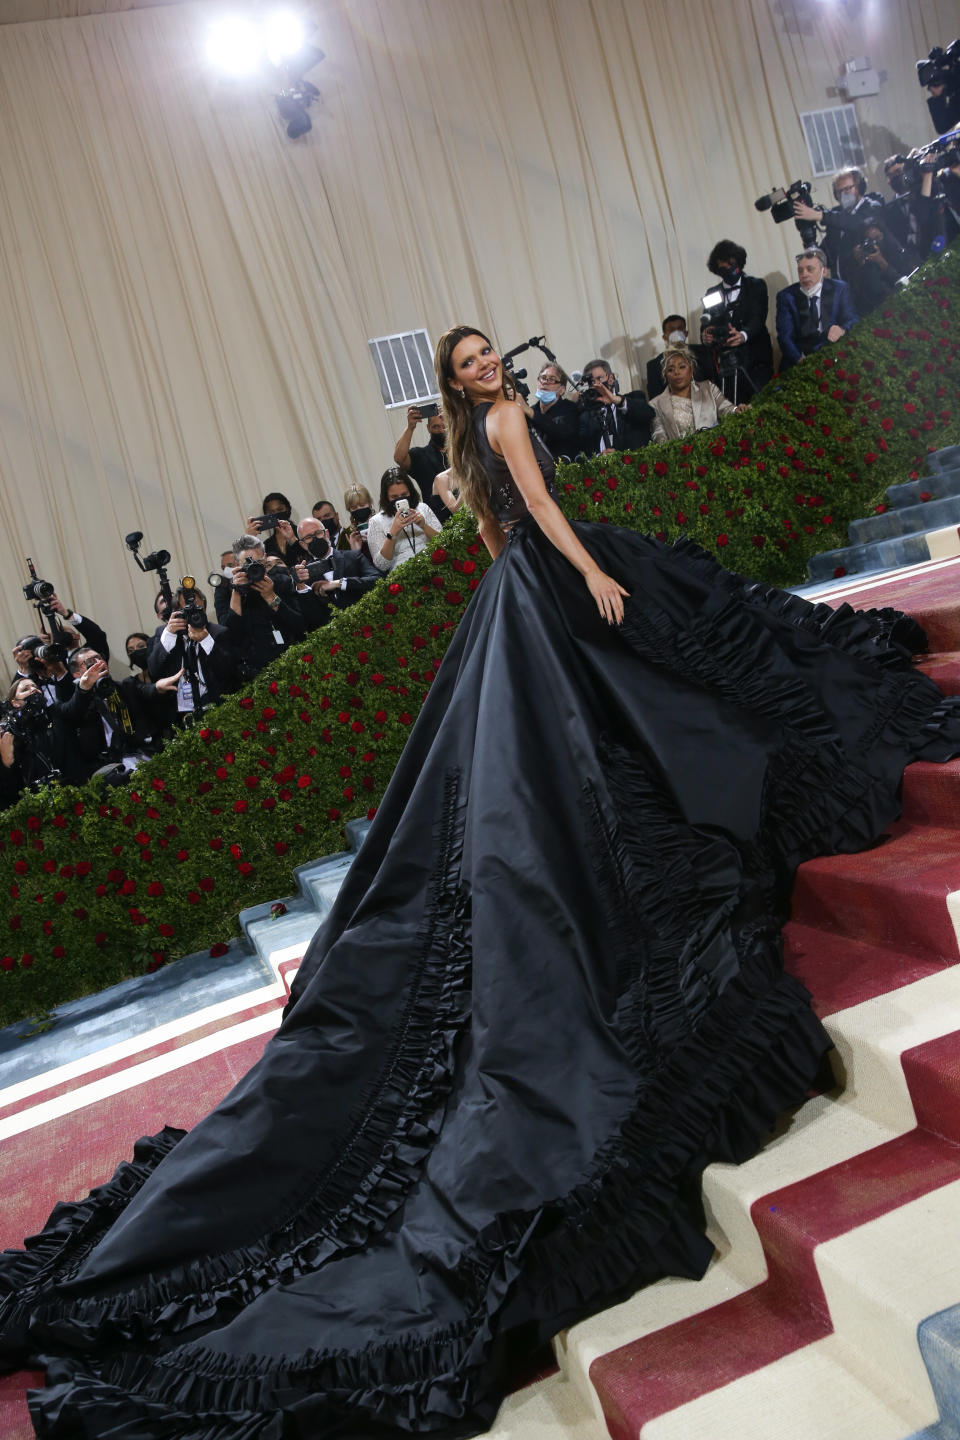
x,y
677,337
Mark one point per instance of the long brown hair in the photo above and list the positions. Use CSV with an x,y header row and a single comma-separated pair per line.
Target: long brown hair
x,y
465,461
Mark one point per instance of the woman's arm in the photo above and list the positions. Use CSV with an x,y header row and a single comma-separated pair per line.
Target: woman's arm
x,y
444,491
380,540
507,432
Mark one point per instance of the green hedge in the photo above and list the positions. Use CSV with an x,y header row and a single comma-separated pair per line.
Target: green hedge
x,y
101,889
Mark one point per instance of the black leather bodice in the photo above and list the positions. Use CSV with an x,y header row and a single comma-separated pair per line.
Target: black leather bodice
x,y
506,501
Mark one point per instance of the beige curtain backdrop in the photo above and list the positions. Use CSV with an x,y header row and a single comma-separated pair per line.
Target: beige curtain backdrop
x,y
186,295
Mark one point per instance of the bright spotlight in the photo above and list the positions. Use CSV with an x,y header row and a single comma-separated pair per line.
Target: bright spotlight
x,y
234,45
284,35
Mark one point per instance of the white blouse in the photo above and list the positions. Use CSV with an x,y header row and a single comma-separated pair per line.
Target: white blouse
x,y
410,540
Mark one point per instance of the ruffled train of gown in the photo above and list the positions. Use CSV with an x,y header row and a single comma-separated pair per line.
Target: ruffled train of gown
x,y
549,993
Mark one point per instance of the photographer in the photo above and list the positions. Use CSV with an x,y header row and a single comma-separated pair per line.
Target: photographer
x,y
358,503
112,728
879,262
674,332
192,649
42,660
843,225
275,528
814,312
424,462
740,330
156,702
403,524
36,738
263,617
609,420
332,577
555,418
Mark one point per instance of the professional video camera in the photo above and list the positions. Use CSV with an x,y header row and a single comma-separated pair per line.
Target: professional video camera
x,y
719,315
941,66
780,201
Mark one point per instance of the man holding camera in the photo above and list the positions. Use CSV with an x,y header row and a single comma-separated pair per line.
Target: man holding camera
x,y
609,420
197,651
879,262
814,312
263,616
336,578
736,330
843,225
425,462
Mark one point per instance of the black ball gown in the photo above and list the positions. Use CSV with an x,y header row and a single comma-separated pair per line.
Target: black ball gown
x,y
550,992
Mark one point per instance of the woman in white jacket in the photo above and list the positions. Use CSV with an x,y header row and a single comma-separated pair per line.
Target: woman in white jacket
x,y
686,404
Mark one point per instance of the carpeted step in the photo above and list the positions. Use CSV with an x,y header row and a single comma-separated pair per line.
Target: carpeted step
x,y
943,667
894,896
840,971
932,597
931,793
864,559
929,487
905,520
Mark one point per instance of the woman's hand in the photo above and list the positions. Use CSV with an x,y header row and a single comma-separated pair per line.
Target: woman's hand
x,y
355,539
399,520
285,534
608,595
417,519
740,408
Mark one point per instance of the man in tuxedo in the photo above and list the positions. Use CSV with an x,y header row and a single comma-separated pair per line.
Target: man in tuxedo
x,y
203,652
675,333
618,422
814,311
747,302
348,575
112,729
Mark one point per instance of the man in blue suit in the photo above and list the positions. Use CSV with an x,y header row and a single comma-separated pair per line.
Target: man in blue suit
x,y
812,312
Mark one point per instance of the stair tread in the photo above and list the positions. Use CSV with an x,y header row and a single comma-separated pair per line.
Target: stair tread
x,y
841,970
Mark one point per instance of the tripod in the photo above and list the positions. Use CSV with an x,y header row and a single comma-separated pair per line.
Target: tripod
x,y
730,369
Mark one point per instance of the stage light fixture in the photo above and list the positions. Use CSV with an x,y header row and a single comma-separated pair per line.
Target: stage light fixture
x,y
234,45
284,36
292,105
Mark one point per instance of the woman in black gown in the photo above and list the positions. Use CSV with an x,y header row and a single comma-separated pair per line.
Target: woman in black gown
x,y
549,993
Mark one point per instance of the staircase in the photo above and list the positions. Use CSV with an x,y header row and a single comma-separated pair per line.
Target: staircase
x,y
922,523
832,1308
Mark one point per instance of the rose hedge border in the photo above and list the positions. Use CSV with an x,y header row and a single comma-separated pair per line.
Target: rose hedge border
x,y
102,887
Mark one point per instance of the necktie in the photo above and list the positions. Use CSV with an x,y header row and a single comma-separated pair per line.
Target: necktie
x,y
815,312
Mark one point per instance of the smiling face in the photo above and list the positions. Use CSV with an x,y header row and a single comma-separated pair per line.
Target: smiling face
x,y
476,367
678,373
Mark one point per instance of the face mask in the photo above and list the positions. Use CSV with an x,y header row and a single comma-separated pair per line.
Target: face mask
x,y
677,337
439,440
138,658
848,200
319,547
732,276
546,397
361,515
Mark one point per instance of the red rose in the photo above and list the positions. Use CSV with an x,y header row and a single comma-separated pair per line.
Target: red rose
x,y
245,868
154,888
236,850
7,963
839,573
869,459
723,539
281,847
453,597
218,949
206,884
304,781
59,896
660,468
404,718
759,540
333,813
438,557
246,703
216,843
58,952
142,838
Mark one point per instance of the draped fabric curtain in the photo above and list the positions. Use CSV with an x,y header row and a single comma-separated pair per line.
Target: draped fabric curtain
x,y
186,295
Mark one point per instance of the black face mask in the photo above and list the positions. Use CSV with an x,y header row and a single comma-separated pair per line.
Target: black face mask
x,y
319,547
333,529
361,515
732,276
138,658
439,440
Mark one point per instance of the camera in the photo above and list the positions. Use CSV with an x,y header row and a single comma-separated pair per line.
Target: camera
x,y
195,616
590,397
156,560
869,247
106,684
52,653
780,201
27,719
719,315
253,570
317,570
37,591
941,66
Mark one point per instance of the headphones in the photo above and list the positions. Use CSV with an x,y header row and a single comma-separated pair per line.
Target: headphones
x,y
857,175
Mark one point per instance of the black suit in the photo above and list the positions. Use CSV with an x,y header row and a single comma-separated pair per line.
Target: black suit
x,y
843,229
360,575
706,369
627,427
558,427
128,724
748,312
218,668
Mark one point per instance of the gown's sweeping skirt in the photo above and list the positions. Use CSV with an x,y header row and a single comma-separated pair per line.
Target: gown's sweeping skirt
x,y
549,993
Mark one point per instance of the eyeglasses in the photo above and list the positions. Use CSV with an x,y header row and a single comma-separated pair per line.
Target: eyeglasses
x,y
846,190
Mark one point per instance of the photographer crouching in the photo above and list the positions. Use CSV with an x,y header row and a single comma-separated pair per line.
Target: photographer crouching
x,y
263,616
